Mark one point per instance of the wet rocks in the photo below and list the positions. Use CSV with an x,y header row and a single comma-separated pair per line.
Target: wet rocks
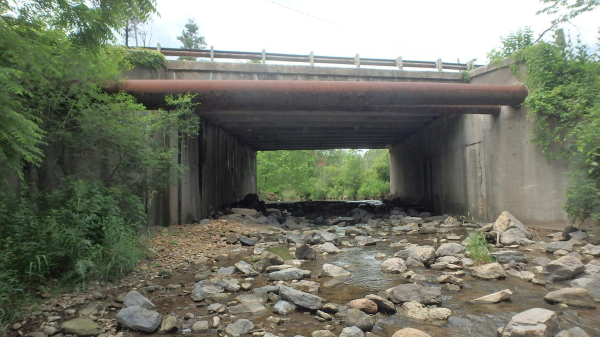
x,y
304,252
81,327
134,298
496,297
330,270
410,332
490,271
505,256
329,248
451,279
288,274
418,312
532,322
449,249
423,254
351,331
383,305
300,298
563,268
240,327
575,297
139,318
284,308
507,221
359,319
393,265
514,236
363,304
415,292
589,283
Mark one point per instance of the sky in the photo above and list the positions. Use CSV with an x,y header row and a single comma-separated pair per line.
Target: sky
x,y
415,30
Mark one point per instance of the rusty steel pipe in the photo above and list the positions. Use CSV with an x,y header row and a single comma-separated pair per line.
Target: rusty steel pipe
x,y
228,94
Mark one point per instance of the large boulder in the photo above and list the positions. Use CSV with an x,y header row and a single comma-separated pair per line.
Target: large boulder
x,y
449,249
359,319
300,298
330,270
563,268
496,297
423,254
534,322
490,271
410,332
393,265
139,318
575,297
415,292
507,221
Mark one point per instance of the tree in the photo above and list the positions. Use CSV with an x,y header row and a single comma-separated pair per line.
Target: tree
x,y
565,10
190,39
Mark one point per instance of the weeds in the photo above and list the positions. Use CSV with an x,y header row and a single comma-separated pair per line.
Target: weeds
x,y
479,250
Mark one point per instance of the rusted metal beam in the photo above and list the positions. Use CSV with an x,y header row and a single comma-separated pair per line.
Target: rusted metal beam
x,y
379,110
301,94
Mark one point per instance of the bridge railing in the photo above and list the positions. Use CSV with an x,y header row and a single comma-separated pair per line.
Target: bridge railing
x,y
312,59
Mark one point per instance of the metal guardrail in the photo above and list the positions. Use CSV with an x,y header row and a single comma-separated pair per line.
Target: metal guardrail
x,y
312,59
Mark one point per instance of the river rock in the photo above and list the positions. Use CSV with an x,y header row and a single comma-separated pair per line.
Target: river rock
x,y
589,283
563,268
393,265
364,305
81,327
506,221
139,318
575,297
169,324
351,331
533,322
284,308
490,271
246,241
205,289
200,326
514,236
423,254
304,252
252,308
449,249
246,268
447,278
579,235
505,256
287,274
322,333
226,271
415,292
496,297
418,312
359,319
240,327
383,305
323,237
133,298
330,270
300,298
573,332
329,248
410,332
552,247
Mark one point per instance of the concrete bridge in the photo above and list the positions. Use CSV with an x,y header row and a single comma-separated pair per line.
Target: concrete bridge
x,y
458,148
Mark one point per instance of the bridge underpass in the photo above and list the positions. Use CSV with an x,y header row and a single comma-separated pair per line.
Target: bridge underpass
x,y
457,148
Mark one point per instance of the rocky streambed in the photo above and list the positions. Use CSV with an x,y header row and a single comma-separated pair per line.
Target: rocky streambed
x,y
342,269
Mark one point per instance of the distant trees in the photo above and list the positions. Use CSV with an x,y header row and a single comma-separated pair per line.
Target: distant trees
x,y
325,174
190,39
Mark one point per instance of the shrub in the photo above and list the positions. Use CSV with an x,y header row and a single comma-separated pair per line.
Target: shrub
x,y
479,250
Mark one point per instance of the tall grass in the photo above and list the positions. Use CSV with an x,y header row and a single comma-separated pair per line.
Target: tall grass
x,y
79,233
479,250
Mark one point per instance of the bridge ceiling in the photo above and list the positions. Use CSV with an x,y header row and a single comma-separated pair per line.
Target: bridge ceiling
x,y
294,115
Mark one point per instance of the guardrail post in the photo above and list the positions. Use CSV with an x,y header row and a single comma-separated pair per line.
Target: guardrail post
x,y
438,64
311,59
158,47
264,57
212,54
399,62
357,60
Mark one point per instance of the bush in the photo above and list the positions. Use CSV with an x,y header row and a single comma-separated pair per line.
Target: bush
x,y
81,232
479,250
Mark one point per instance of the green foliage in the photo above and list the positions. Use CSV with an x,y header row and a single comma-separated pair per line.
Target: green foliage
x,y
479,250
324,174
190,39
80,232
514,42
145,58
567,9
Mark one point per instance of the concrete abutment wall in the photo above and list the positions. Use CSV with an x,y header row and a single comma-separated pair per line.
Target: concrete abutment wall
x,y
481,165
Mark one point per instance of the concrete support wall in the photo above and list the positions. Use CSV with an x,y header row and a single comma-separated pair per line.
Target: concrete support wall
x,y
481,165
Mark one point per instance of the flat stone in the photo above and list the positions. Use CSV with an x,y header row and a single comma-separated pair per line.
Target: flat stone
x,y
139,318
533,322
552,247
226,271
575,297
240,327
252,308
300,298
415,292
505,256
287,275
496,297
246,268
563,268
81,327
330,270
134,298
205,289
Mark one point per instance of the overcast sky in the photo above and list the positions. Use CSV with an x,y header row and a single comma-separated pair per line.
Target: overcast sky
x,y
416,30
